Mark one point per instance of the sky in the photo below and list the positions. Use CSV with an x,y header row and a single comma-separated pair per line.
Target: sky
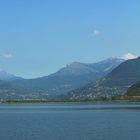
x,y
38,37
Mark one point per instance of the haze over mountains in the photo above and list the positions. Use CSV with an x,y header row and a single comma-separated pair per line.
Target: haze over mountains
x,y
66,79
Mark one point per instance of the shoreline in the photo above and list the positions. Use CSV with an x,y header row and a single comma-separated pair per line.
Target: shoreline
x,y
102,100
60,102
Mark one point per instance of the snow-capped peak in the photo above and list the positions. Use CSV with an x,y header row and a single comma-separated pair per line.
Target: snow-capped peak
x,y
129,56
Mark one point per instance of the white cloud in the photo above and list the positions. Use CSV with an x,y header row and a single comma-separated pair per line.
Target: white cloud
x,y
7,55
129,56
95,33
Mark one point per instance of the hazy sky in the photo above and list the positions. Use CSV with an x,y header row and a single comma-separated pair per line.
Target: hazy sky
x,y
37,37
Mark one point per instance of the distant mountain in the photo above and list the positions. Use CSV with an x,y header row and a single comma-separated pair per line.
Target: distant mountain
x,y
10,91
100,68
68,78
115,83
7,76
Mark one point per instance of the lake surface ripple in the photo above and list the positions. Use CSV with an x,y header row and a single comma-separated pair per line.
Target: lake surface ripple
x,y
70,121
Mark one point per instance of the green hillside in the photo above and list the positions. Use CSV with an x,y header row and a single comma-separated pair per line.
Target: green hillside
x,y
134,90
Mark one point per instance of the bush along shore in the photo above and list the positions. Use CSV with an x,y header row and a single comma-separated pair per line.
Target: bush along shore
x,y
115,98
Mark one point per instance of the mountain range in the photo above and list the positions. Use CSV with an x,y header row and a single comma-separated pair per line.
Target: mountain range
x,y
68,78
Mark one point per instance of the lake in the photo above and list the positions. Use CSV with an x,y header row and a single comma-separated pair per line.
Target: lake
x,y
70,121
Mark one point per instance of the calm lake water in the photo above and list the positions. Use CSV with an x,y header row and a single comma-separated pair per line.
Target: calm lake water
x,y
99,121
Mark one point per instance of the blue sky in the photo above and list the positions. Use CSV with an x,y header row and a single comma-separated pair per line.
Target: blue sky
x,y
37,37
